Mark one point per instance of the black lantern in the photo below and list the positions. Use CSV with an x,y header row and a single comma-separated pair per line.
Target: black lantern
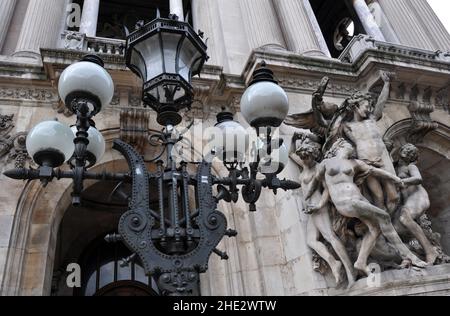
x,y
166,54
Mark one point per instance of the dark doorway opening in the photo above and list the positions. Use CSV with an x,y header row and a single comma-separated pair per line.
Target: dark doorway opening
x,y
81,241
339,23
117,15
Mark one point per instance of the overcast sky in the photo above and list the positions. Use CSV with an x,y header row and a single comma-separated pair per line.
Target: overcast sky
x,y
442,8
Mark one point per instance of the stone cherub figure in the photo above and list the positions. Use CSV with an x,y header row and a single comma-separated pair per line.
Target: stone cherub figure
x,y
356,120
338,173
415,199
307,156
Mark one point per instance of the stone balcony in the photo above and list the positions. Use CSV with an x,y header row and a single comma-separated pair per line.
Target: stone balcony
x,y
360,44
97,45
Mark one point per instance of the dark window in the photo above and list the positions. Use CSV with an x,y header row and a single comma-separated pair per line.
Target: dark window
x,y
339,23
104,275
116,15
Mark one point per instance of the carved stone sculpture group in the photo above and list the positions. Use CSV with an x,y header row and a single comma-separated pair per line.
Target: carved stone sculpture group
x,y
364,206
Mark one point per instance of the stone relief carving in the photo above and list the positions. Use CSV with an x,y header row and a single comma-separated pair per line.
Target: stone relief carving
x,y
60,108
363,208
73,40
320,224
27,94
12,147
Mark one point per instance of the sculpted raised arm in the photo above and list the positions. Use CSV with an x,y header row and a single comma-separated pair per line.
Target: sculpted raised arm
x,y
384,95
317,103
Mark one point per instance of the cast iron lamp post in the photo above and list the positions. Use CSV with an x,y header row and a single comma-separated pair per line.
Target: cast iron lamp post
x,y
175,241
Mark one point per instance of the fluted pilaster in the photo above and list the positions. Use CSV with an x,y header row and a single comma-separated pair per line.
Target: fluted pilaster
x,y
406,23
6,13
435,29
297,29
261,24
204,16
383,23
41,27
89,18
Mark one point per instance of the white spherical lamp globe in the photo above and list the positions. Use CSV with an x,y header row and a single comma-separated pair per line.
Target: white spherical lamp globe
x,y
264,103
276,161
50,143
86,80
97,145
231,140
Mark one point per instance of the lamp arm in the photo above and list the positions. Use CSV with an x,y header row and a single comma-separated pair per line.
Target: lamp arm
x,y
38,174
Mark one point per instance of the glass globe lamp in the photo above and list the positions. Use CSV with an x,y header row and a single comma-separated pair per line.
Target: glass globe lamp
x,y
275,161
88,81
97,145
50,143
232,141
264,103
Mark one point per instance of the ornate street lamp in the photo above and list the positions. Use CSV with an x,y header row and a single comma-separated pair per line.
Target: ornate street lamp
x,y
166,54
175,241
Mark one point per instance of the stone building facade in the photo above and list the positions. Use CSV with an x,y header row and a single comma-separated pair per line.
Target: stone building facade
x,y
349,41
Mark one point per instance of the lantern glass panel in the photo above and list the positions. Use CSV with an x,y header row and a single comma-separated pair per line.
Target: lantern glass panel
x,y
188,56
171,41
148,59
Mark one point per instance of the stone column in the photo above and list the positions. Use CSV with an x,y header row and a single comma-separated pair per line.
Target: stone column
x,y
176,7
294,17
436,31
40,28
383,23
406,24
261,24
205,15
89,18
6,13
367,20
316,27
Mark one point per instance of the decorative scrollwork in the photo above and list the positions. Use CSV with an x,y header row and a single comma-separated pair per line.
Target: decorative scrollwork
x,y
13,147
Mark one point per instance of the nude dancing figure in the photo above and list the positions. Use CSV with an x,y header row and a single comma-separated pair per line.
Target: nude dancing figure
x,y
337,174
355,120
363,131
415,199
319,224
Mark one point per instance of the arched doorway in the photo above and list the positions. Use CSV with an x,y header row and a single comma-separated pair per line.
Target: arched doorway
x,y
107,269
